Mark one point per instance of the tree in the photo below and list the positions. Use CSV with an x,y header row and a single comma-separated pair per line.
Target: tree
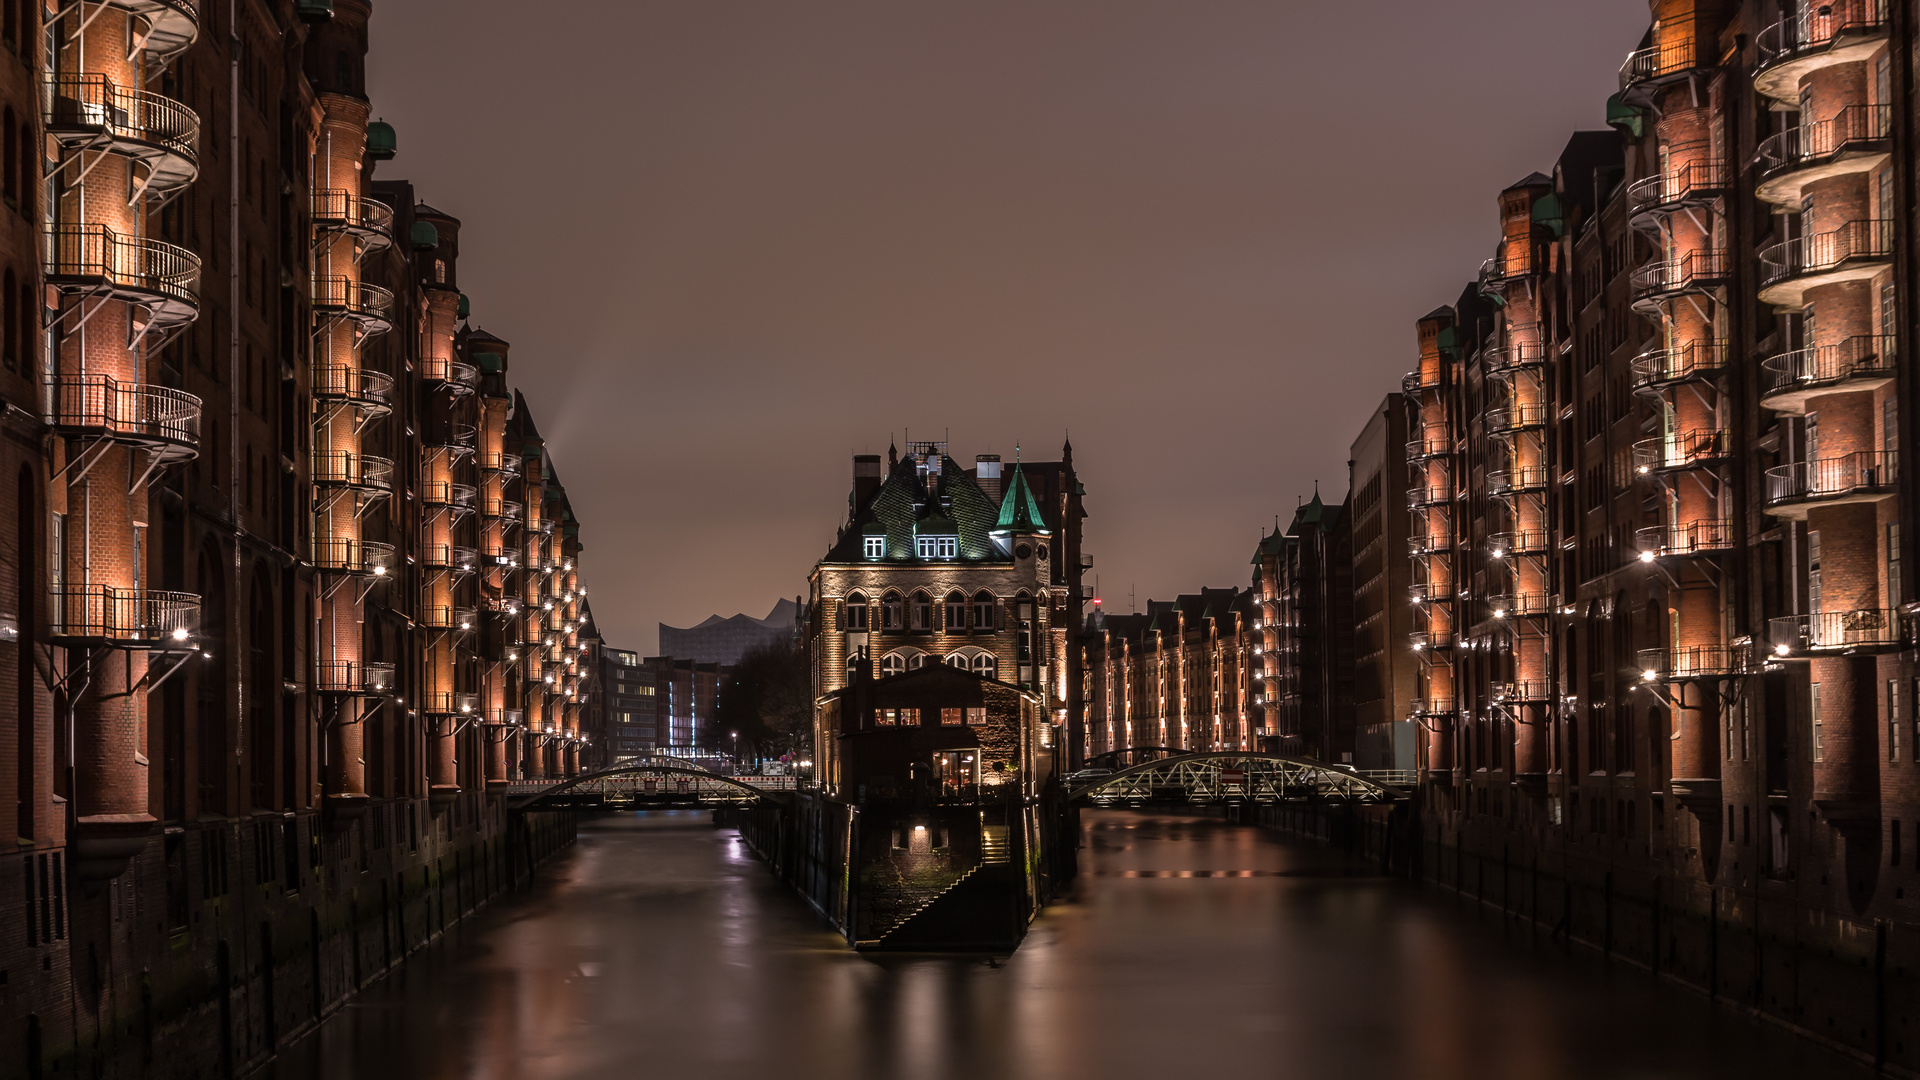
x,y
765,699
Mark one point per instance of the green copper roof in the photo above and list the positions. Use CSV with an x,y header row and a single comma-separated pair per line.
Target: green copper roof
x,y
425,236
382,143
1020,511
465,306
489,363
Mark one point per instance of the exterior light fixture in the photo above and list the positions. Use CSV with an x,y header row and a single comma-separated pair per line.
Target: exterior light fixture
x,y
1499,554
1649,675
179,633
379,571
1781,649
1499,613
1646,556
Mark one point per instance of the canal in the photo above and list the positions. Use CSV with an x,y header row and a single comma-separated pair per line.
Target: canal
x,y
660,947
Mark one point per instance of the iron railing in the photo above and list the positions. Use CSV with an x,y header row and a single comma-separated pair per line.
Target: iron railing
x,y
347,468
1689,538
444,493
1662,61
1421,545
1689,272
1837,631
352,677
1519,604
352,297
341,209
1694,360
1518,416
1423,640
1847,130
1857,357
1680,186
101,404
1429,442
94,103
372,389
352,556
1864,472
1680,450
1696,661
96,253
1808,30
1521,542
1822,252
131,618
1524,690
1515,481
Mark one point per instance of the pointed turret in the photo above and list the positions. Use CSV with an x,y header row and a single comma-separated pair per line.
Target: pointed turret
x,y
1020,511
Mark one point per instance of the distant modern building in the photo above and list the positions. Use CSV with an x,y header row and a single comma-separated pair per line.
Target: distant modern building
x,y
631,693
1385,671
683,695
725,641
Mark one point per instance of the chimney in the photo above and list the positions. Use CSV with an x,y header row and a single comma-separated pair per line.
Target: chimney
x,y
866,481
986,470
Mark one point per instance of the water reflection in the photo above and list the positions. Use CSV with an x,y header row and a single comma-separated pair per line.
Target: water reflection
x,y
1189,945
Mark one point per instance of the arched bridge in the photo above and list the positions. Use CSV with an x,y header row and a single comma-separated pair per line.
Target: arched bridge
x,y
1230,777
653,784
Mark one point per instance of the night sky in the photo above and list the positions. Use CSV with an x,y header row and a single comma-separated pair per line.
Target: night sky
x,y
734,242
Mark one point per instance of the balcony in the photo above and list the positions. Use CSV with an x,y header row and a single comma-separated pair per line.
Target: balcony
x,y
1690,662
1856,140
164,421
1431,442
1421,379
1690,186
465,619
172,25
369,391
1514,262
1648,71
457,377
1862,362
1523,692
1514,357
340,297
1420,495
1804,42
452,557
90,112
123,618
361,558
495,461
443,493
1518,416
353,471
1430,640
343,213
1520,605
1832,633
1694,273
1422,545
1430,706
1523,542
1697,361
1866,476
156,275
1856,251
1681,451
1692,538
354,677
1428,591
1507,482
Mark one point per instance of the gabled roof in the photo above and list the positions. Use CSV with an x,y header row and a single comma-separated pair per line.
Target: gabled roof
x,y
947,502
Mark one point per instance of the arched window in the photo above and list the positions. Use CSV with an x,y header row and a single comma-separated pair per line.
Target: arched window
x,y
960,660
918,660
893,664
956,614
985,666
856,614
983,612
922,611
890,612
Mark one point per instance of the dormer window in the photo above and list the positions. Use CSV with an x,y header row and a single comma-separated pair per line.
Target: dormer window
x,y
876,547
937,547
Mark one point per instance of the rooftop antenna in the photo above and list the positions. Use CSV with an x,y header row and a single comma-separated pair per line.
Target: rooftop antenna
x,y
1132,603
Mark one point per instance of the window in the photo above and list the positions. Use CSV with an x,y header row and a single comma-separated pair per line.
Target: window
x,y
886,717
937,547
956,613
984,665
440,271
918,660
1893,720
856,614
922,611
983,612
1894,583
891,616
952,717
893,664
1819,745
876,547
976,717
961,661
910,717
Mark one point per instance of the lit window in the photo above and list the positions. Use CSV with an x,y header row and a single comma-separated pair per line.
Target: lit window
x,y
949,546
886,717
955,717
910,716
876,547
890,612
976,717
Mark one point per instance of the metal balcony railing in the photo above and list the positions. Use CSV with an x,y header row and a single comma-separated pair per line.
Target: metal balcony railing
x,y
1428,494
1855,127
1425,640
350,556
1420,379
160,275
136,122
1865,473
1695,662
1863,356
1514,356
346,468
1422,545
370,390
1864,630
1430,442
353,299
1521,691
1521,542
443,493
465,619
1519,604
353,677
1527,478
1513,262
1809,30
496,461
1691,272
172,25
100,406
1425,591
1854,241
344,211
1664,61
123,618
1687,185
1664,367
1430,706
1680,450
456,373
1690,538
1518,416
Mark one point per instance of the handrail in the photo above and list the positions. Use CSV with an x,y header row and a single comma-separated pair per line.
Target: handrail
x,y
133,262
1687,538
1518,416
352,555
1836,631
1806,31
1680,450
1523,690
1509,481
1696,179
1860,238
1824,138
352,676
1518,603
1660,61
353,384
1824,365
1521,542
1834,477
351,295
132,410
352,211
1674,275
94,101
136,617
1694,360
352,469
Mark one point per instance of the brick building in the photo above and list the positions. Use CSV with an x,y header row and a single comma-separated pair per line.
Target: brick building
x,y
1182,674
1303,579
1665,618
289,582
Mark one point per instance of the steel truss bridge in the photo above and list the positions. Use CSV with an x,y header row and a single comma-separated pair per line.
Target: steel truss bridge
x,y
652,784
1229,778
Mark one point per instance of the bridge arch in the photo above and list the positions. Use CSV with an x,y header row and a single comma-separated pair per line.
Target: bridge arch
x,y
1231,776
704,787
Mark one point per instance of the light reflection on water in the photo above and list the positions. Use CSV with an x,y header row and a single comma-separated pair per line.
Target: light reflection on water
x,y
1189,945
